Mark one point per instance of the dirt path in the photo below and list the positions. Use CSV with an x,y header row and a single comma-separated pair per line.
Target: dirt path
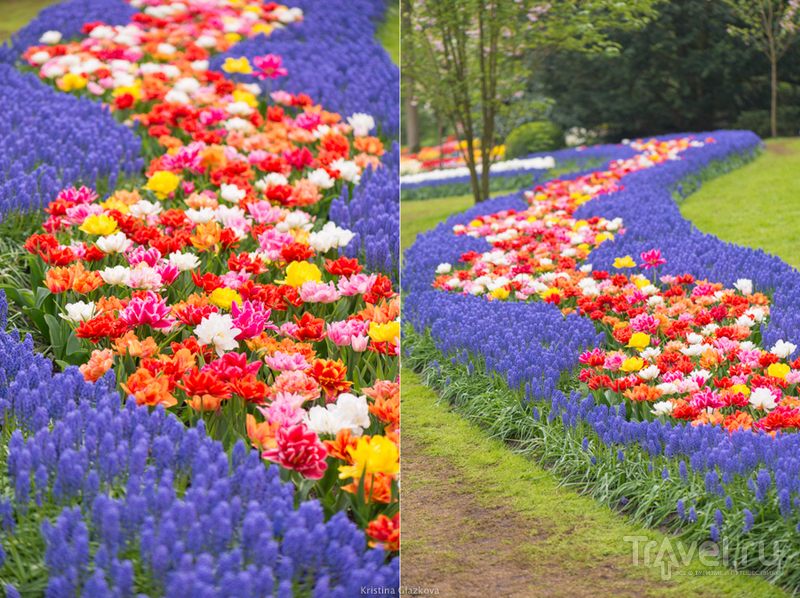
x,y
782,148
468,549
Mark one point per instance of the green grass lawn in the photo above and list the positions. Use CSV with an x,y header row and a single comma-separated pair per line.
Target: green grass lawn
x,y
566,531
18,13
421,216
756,206
389,31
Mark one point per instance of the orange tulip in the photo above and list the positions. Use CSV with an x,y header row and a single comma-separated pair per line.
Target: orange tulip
x,y
378,486
262,434
130,343
331,376
59,280
87,281
99,363
338,448
148,389
206,236
369,145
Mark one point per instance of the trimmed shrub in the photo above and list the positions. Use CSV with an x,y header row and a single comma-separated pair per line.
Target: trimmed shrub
x,y
758,122
542,136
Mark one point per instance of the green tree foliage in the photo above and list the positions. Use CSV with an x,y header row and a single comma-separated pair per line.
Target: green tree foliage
x,y
682,72
770,27
472,59
542,136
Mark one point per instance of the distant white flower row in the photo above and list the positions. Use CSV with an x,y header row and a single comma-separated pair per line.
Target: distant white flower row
x,y
451,173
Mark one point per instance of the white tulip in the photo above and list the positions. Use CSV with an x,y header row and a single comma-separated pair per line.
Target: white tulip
x,y
78,312
50,37
116,243
231,193
118,275
217,330
184,261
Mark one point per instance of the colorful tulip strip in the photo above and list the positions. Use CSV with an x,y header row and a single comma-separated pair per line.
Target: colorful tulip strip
x,y
680,349
219,289
507,175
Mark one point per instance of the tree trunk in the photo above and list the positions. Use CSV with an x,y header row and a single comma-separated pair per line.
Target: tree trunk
x,y
774,107
487,145
485,166
473,171
411,111
439,139
412,121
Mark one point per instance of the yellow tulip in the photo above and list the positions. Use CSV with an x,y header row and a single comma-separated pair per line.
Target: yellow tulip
x,y
134,90
224,298
162,183
115,204
384,333
70,82
624,262
262,28
632,364
639,340
376,455
778,370
237,65
99,224
500,293
240,95
298,273
603,237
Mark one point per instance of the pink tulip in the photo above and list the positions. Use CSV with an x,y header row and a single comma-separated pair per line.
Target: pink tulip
x,y
151,311
315,292
283,362
269,67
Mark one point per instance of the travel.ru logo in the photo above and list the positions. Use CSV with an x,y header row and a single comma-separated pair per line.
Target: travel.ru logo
x,y
675,557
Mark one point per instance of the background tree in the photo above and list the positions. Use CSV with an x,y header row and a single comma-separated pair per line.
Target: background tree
x,y
682,72
472,59
411,131
769,26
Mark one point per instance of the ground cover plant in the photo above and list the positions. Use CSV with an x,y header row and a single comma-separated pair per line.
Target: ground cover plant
x,y
661,443
213,281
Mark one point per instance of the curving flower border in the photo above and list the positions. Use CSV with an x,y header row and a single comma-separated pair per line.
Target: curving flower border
x,y
719,485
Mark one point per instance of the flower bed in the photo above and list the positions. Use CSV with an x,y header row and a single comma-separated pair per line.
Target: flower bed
x,y
50,141
690,329
101,499
225,287
503,176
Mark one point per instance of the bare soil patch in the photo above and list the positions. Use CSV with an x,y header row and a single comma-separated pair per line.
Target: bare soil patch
x,y
782,148
457,542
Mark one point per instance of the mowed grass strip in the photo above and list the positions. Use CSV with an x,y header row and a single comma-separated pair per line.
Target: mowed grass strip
x,y
389,31
755,206
18,13
421,216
